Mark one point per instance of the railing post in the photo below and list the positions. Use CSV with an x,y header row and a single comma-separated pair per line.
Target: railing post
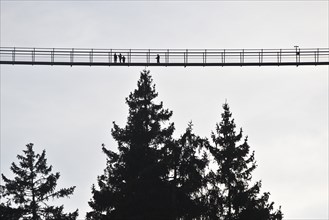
x,y
71,56
33,56
297,55
261,57
52,56
224,58
186,57
91,56
14,51
242,56
278,54
184,54
148,56
110,56
167,56
129,56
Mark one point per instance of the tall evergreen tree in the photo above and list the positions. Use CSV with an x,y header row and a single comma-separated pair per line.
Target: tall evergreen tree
x,y
28,193
236,199
188,172
134,184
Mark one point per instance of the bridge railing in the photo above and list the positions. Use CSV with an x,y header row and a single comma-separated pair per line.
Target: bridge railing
x,y
75,56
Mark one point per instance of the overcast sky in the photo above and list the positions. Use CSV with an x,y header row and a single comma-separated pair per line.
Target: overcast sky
x,y
68,111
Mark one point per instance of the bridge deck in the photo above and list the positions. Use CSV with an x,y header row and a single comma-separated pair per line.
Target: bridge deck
x,y
164,57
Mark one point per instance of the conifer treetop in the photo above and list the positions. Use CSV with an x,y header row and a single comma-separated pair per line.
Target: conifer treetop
x,y
33,186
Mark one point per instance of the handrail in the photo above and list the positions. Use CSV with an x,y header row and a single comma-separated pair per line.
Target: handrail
x,y
164,57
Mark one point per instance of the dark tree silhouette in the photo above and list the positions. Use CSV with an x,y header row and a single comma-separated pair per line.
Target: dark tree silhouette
x,y
28,193
188,172
134,184
6,209
153,176
231,197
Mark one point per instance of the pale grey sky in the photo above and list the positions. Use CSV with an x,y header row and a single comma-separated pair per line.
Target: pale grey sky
x,y
69,110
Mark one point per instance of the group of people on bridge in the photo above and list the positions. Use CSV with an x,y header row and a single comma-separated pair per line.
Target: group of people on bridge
x,y
122,59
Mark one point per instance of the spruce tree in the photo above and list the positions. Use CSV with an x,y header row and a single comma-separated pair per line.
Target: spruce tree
x,y
28,193
188,175
237,198
134,184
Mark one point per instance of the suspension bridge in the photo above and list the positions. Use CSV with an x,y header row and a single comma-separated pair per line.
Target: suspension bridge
x,y
164,57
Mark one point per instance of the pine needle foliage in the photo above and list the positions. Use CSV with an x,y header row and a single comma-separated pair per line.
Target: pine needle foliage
x,y
134,184
234,197
154,176
28,194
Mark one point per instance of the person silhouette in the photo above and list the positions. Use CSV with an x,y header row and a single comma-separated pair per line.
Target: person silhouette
x,y
115,56
123,59
158,58
120,57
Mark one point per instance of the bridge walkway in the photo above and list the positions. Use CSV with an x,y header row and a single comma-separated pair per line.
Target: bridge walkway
x,y
164,57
